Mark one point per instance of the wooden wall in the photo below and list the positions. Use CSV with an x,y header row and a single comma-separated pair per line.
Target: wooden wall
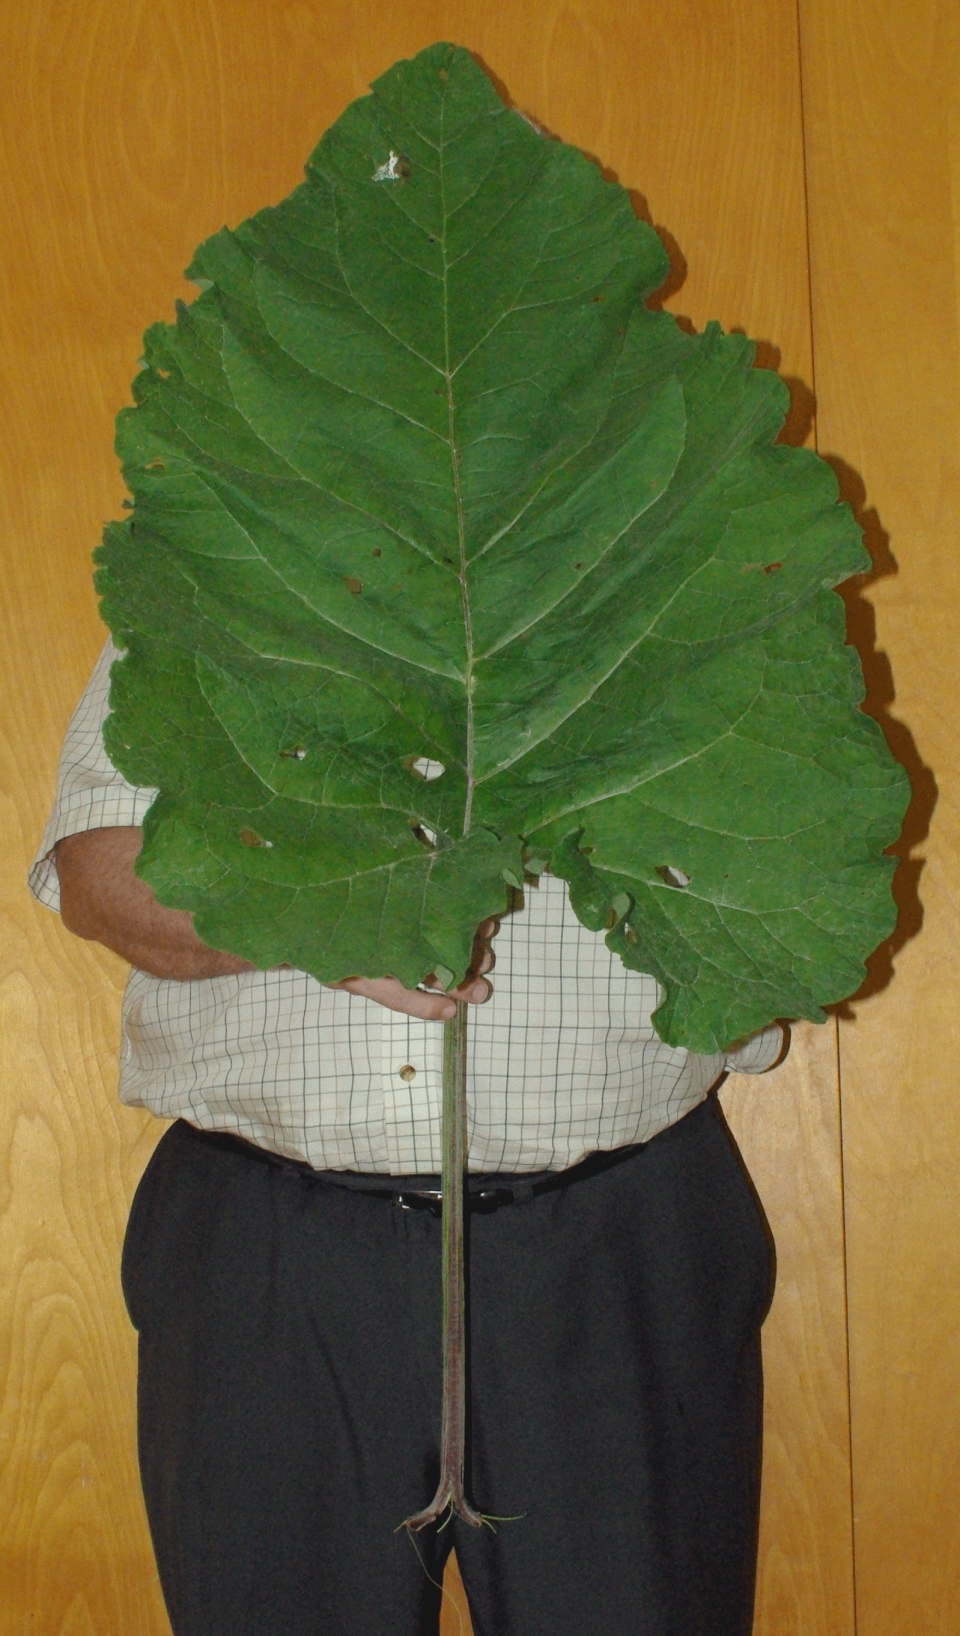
x,y
805,162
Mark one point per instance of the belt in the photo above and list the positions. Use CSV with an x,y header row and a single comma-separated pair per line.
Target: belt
x,y
483,1194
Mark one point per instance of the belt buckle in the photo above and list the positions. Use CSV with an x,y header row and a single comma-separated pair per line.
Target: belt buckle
x,y
483,1203
431,1200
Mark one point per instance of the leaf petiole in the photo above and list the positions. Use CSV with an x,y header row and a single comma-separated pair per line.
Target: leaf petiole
x,y
450,1499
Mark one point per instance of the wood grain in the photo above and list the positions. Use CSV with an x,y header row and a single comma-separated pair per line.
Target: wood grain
x,y
788,1124
133,130
882,91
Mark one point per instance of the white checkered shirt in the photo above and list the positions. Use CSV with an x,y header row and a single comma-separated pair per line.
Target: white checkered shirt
x,y
563,1058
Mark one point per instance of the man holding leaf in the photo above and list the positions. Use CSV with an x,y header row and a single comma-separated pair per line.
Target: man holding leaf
x,y
460,589
290,1360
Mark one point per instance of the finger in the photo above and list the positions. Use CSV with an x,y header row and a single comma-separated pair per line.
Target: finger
x,y
476,991
414,1002
484,959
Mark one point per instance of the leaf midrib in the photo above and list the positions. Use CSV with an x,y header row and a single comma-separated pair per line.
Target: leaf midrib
x,y
468,678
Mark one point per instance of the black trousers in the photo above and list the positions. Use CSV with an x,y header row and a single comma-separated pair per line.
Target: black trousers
x,y
290,1389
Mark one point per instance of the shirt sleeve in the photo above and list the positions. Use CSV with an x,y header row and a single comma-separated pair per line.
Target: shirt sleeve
x,y
91,794
760,1051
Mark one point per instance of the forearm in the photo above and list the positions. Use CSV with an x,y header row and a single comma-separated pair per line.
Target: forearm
x,y
102,899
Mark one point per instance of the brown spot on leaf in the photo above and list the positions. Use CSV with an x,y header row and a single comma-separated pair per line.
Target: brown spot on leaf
x,y
354,585
296,754
597,298
376,552
155,465
772,567
249,837
672,876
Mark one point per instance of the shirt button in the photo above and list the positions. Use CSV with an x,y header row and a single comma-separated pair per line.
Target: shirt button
x,y
408,1071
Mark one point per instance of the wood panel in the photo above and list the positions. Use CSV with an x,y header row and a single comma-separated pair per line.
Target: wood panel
x,y
882,93
788,1127
134,129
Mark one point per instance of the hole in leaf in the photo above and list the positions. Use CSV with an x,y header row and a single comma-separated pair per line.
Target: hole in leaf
x,y
423,767
249,837
671,876
427,837
164,374
631,934
296,754
619,909
534,862
396,169
354,585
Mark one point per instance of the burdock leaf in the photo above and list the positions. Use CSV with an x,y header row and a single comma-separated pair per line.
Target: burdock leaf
x,y
448,551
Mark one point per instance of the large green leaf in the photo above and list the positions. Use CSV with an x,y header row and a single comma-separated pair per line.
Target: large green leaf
x,y
421,482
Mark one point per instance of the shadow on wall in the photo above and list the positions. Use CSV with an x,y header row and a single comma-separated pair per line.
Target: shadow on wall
x,y
878,702
880,693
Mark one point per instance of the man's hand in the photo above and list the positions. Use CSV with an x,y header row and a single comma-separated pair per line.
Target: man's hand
x,y
435,1007
102,899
